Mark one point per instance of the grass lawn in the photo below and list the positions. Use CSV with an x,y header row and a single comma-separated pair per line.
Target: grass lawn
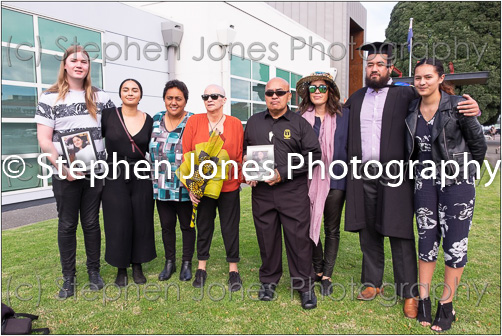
x,y
30,269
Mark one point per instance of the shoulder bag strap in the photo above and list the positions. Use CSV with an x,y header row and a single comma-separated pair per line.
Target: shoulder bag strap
x,y
133,144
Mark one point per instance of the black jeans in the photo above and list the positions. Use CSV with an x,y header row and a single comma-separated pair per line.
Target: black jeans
x,y
168,210
324,263
74,198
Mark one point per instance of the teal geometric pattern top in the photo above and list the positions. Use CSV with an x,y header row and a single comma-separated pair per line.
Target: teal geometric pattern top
x,y
165,145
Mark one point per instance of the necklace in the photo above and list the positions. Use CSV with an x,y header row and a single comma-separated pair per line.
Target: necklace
x,y
177,120
213,127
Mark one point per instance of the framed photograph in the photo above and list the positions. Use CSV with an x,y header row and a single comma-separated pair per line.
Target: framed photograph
x,y
79,146
260,154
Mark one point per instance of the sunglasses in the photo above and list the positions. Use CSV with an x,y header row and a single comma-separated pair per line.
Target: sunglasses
x,y
322,88
279,93
214,96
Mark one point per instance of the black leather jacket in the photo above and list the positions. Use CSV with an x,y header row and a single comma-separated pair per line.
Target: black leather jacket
x,y
453,134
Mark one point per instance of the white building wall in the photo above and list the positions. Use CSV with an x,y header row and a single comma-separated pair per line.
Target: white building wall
x,y
253,22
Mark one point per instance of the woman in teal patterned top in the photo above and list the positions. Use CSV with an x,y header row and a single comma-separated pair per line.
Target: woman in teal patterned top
x,y
171,196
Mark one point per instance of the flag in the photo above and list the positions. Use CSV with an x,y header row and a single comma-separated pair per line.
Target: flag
x,y
410,35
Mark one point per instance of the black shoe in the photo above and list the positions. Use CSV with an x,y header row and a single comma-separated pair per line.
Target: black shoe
x,y
424,310
445,316
167,272
137,274
309,300
68,288
267,292
121,279
200,278
95,280
234,281
185,272
326,287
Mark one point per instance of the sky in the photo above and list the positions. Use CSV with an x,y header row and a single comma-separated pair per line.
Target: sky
x,y
378,17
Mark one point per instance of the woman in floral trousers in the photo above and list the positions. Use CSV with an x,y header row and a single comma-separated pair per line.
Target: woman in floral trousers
x,y
441,136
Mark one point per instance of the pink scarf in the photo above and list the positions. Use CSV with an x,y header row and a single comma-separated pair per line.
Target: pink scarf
x,y
318,187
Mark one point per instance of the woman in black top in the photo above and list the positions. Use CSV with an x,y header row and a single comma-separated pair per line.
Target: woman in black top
x,y
127,200
443,206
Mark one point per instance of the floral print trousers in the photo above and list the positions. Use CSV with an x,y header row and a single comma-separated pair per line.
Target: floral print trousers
x,y
444,213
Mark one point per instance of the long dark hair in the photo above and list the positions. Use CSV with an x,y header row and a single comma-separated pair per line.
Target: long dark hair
x,y
84,142
333,103
438,66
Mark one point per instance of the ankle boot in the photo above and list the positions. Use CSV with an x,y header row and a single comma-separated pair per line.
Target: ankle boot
x,y
121,279
186,271
445,316
137,274
167,272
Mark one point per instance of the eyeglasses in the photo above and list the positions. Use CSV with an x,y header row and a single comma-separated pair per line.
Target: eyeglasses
x,y
214,96
279,93
322,88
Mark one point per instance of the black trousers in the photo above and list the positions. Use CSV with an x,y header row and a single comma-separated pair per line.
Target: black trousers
x,y
325,262
404,255
287,205
229,209
128,218
168,211
74,198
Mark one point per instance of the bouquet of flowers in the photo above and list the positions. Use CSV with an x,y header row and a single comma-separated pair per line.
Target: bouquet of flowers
x,y
202,156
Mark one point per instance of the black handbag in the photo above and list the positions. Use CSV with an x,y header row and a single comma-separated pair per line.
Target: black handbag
x,y
18,323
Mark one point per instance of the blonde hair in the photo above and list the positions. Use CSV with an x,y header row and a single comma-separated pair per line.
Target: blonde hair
x,y
62,87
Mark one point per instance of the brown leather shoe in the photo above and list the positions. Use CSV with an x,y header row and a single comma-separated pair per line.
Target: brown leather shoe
x,y
369,293
410,308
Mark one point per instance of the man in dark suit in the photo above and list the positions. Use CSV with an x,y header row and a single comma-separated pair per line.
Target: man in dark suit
x,y
373,208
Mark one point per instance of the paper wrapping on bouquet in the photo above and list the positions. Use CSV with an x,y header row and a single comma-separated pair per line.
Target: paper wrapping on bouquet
x,y
198,185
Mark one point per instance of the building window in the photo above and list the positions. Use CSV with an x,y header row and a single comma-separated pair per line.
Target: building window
x,y
32,47
247,81
292,79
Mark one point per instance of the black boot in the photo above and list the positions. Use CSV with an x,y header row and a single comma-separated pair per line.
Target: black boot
x,y
445,316
68,288
424,311
169,269
121,279
186,271
95,280
137,274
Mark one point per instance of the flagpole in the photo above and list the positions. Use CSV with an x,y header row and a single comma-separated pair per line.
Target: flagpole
x,y
411,45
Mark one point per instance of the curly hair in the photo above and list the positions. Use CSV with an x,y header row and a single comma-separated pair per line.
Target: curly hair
x,y
174,83
333,105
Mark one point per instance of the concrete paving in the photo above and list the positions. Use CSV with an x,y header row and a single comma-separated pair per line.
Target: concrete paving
x,y
15,215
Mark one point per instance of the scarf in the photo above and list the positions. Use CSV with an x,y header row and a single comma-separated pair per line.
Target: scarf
x,y
318,187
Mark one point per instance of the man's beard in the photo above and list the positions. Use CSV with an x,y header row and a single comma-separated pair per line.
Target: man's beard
x,y
377,83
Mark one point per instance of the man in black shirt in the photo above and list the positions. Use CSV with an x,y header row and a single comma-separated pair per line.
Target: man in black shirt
x,y
283,200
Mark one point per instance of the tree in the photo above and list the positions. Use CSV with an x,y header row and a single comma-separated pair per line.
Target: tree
x,y
466,33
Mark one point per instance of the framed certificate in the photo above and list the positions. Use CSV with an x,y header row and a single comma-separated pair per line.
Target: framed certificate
x,y
79,146
261,155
